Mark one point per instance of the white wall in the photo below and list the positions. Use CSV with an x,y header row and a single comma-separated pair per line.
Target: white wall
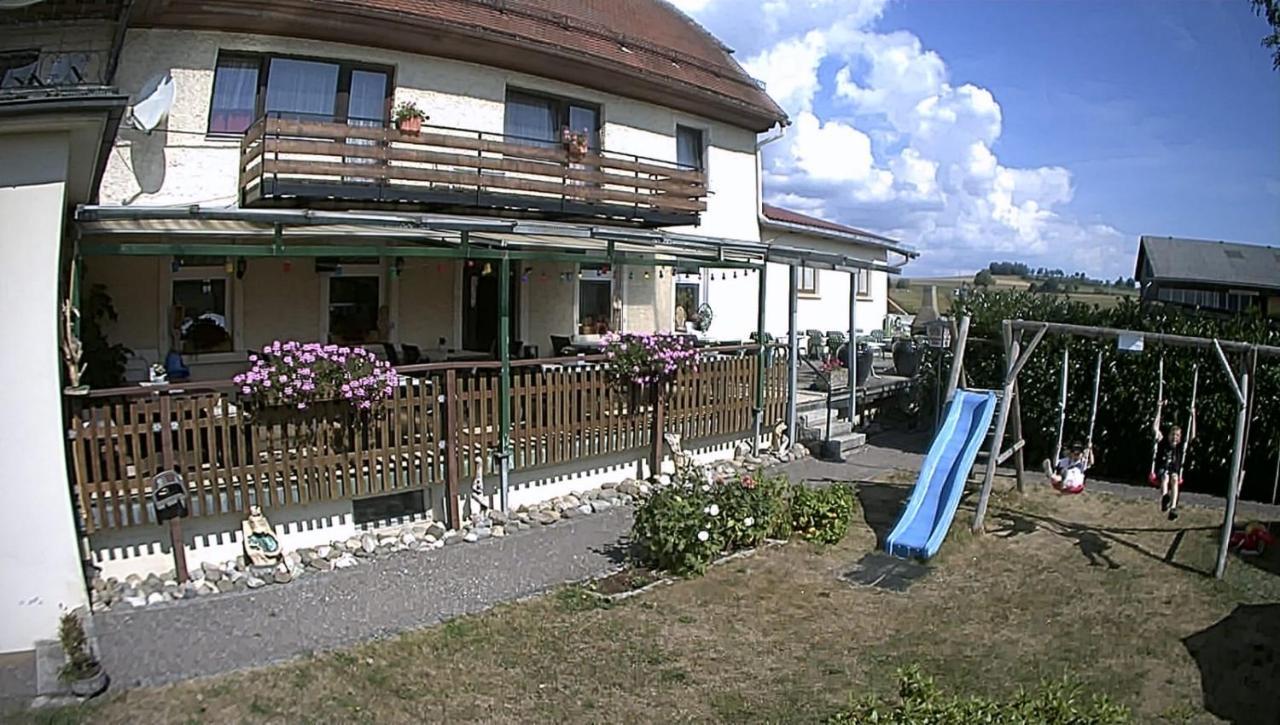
x,y
178,164
734,301
40,569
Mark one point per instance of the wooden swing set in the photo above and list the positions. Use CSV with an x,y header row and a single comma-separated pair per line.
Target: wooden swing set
x,y
1009,414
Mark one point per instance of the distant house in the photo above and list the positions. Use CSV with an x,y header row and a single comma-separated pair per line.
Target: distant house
x,y
1219,276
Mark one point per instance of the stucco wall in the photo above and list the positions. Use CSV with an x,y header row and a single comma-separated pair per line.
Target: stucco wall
x,y
734,301
40,572
178,164
428,303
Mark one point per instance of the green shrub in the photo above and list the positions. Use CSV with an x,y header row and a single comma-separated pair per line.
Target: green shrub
x,y
821,514
752,509
920,702
675,530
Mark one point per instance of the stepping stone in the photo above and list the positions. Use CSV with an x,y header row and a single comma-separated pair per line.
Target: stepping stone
x,y
882,571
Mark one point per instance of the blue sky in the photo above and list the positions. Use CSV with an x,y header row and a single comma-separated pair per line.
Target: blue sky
x,y
1053,131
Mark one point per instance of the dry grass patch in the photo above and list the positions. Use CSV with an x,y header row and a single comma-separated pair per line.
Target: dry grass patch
x,y
1084,586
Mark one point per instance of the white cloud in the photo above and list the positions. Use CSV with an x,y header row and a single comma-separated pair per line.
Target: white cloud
x,y
889,142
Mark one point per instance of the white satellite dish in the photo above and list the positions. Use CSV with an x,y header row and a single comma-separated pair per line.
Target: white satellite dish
x,y
154,106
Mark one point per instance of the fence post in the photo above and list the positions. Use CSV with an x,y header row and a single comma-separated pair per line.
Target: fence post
x,y
452,464
656,448
504,383
175,524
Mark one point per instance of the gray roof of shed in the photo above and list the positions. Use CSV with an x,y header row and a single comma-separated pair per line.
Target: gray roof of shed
x,y
1206,262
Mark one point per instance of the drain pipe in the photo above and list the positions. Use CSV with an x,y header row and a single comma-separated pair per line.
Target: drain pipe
x,y
762,355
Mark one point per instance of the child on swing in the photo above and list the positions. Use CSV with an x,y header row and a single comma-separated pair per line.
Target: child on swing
x,y
1067,475
1168,468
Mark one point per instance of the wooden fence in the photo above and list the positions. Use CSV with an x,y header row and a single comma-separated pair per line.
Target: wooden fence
x,y
440,425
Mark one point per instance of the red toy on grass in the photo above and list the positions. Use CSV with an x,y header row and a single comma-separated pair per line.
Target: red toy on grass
x,y
1253,540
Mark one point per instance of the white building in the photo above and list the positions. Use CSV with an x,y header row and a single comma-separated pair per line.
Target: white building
x,y
601,154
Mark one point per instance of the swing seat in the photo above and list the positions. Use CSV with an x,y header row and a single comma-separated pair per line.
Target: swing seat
x,y
1152,480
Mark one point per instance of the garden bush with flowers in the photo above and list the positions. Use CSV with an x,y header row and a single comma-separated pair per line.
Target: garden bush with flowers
x,y
637,359
296,376
684,527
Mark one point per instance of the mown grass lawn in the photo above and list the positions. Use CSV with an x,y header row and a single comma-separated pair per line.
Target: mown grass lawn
x,y
1093,587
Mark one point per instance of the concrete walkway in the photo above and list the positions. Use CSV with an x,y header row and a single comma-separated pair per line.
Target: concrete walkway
x,y
382,597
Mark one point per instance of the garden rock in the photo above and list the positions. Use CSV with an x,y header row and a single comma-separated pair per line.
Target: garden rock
x,y
346,561
226,585
585,508
436,529
321,564
368,543
408,539
136,601
601,505
254,582
498,531
282,577
546,518
156,598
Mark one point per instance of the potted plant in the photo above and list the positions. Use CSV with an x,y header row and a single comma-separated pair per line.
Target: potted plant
x,y
81,672
409,117
576,143
313,378
906,357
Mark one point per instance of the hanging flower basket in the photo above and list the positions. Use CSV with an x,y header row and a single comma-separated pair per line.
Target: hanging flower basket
x,y
292,381
640,360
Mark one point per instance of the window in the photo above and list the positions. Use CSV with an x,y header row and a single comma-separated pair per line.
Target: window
x,y
235,94
689,147
18,68
864,283
537,119
688,298
354,301
595,299
247,85
201,292
808,281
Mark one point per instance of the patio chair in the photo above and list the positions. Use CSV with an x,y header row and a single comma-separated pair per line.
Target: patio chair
x,y
560,343
835,339
815,345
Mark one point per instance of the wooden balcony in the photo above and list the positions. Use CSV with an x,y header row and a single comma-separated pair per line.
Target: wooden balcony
x,y
323,163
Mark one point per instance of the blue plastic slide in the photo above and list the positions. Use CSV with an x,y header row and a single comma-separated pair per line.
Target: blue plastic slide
x,y
933,502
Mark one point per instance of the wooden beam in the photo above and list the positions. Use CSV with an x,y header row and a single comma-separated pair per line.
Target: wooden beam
x,y
1011,354
1203,343
957,358
1026,354
1233,487
1017,446
1231,375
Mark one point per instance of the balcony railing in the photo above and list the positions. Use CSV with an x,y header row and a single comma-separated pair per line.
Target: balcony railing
x,y
293,161
26,73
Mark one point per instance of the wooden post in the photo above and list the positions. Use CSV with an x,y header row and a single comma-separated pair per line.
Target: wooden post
x,y
1062,400
657,399
176,542
452,463
762,361
1233,484
1019,454
957,358
1015,358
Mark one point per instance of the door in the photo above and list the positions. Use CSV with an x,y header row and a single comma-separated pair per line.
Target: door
x,y
480,313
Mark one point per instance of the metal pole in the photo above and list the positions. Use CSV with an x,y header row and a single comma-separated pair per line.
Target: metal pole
x,y
853,347
504,381
762,359
793,361
1233,488
1275,483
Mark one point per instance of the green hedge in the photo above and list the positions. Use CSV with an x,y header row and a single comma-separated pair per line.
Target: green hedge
x,y
1122,436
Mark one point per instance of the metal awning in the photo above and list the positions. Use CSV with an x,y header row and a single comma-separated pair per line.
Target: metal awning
x,y
195,230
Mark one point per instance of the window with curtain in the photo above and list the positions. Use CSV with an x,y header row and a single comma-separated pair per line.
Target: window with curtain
x,y
864,283
689,147
536,120
302,89
235,94
297,88
808,281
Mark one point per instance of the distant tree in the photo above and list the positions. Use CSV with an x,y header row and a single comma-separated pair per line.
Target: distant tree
x,y
984,279
1270,11
902,283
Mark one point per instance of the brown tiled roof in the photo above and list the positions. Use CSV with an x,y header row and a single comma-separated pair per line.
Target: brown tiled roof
x,y
649,37
786,216
602,44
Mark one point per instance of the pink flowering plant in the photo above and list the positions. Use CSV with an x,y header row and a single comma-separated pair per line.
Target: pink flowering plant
x,y
296,375
647,358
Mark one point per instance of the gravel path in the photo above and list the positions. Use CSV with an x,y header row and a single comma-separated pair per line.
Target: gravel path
x,y
381,597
